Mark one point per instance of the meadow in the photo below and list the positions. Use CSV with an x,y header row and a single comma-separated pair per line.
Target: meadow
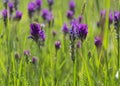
x,y
59,42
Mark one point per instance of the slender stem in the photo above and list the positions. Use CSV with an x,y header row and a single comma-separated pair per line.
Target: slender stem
x,y
75,73
118,44
55,76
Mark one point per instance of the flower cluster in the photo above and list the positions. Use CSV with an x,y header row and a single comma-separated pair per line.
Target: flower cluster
x,y
47,16
50,3
37,34
71,11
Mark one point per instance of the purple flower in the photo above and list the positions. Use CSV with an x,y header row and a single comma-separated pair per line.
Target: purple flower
x,y
38,4
78,45
80,18
50,2
31,9
70,14
110,18
72,6
103,13
34,60
65,29
27,53
11,6
98,42
4,14
34,29
42,35
57,45
45,13
116,16
18,15
82,31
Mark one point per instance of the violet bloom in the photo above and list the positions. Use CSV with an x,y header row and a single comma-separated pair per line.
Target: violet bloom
x,y
11,6
110,18
98,42
42,35
103,13
45,13
34,30
31,9
18,15
72,6
65,29
78,45
27,53
5,15
34,60
80,18
50,18
117,18
70,14
82,31
37,34
50,3
38,5
57,45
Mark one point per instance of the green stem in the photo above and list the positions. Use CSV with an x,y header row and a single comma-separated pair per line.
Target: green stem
x,y
75,73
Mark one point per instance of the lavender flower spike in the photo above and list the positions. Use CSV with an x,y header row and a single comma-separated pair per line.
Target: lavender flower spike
x,y
65,29
18,15
31,9
98,42
11,6
57,45
72,6
38,5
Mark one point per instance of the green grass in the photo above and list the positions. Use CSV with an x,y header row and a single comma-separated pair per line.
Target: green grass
x,y
90,71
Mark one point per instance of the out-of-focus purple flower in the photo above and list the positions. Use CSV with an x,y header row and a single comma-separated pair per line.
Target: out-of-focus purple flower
x,y
111,18
27,53
31,9
98,42
82,31
50,2
65,29
37,34
80,18
45,13
4,14
70,14
42,35
18,15
54,33
11,6
38,4
72,6
34,29
57,45
72,32
50,18
103,13
34,60
78,45
116,16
